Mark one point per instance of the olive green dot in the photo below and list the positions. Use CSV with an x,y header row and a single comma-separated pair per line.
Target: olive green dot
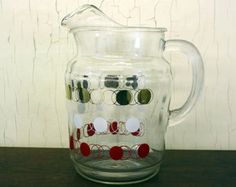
x,y
68,92
123,97
84,95
144,96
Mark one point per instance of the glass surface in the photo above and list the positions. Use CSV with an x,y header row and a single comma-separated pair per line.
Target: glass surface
x,y
118,90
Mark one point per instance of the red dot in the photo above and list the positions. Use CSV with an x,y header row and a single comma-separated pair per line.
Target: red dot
x,y
136,133
116,153
78,134
143,150
114,127
90,129
85,150
71,142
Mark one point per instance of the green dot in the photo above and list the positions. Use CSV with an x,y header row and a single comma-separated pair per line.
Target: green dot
x,y
123,97
84,95
144,96
68,92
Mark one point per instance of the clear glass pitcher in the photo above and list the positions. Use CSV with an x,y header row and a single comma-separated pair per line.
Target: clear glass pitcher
x,y
118,89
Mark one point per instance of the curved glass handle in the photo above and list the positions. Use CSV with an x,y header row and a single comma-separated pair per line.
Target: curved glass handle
x,y
193,55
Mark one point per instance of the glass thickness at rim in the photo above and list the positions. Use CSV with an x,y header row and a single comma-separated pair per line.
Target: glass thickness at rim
x,y
119,29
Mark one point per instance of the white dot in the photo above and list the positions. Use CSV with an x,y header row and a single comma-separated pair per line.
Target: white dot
x,y
132,124
100,124
78,121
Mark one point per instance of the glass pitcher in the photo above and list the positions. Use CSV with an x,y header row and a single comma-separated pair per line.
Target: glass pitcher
x,y
118,90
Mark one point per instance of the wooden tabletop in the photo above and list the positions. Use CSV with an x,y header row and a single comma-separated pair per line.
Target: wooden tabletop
x,y
52,167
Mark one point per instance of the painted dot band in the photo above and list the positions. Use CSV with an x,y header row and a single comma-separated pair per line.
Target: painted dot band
x,y
102,127
123,152
128,89
117,97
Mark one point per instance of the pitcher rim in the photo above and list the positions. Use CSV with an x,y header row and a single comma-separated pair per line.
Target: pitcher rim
x,y
114,28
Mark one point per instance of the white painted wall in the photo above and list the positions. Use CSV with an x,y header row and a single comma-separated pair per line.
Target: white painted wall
x,y
34,50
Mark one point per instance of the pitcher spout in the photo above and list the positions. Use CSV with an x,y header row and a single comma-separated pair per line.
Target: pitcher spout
x,y
88,16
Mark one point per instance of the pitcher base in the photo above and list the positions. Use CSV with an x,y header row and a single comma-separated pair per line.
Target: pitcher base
x,y
117,177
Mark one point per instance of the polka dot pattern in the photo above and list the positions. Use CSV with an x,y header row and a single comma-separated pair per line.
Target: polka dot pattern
x,y
71,143
100,124
143,150
85,149
132,124
114,127
140,151
78,133
116,153
90,129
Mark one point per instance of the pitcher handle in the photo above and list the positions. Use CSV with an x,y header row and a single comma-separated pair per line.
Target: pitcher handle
x,y
193,55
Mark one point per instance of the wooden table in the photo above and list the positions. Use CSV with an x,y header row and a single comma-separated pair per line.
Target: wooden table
x,y
52,167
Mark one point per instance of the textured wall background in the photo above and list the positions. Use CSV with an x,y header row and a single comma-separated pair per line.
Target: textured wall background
x,y
34,50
